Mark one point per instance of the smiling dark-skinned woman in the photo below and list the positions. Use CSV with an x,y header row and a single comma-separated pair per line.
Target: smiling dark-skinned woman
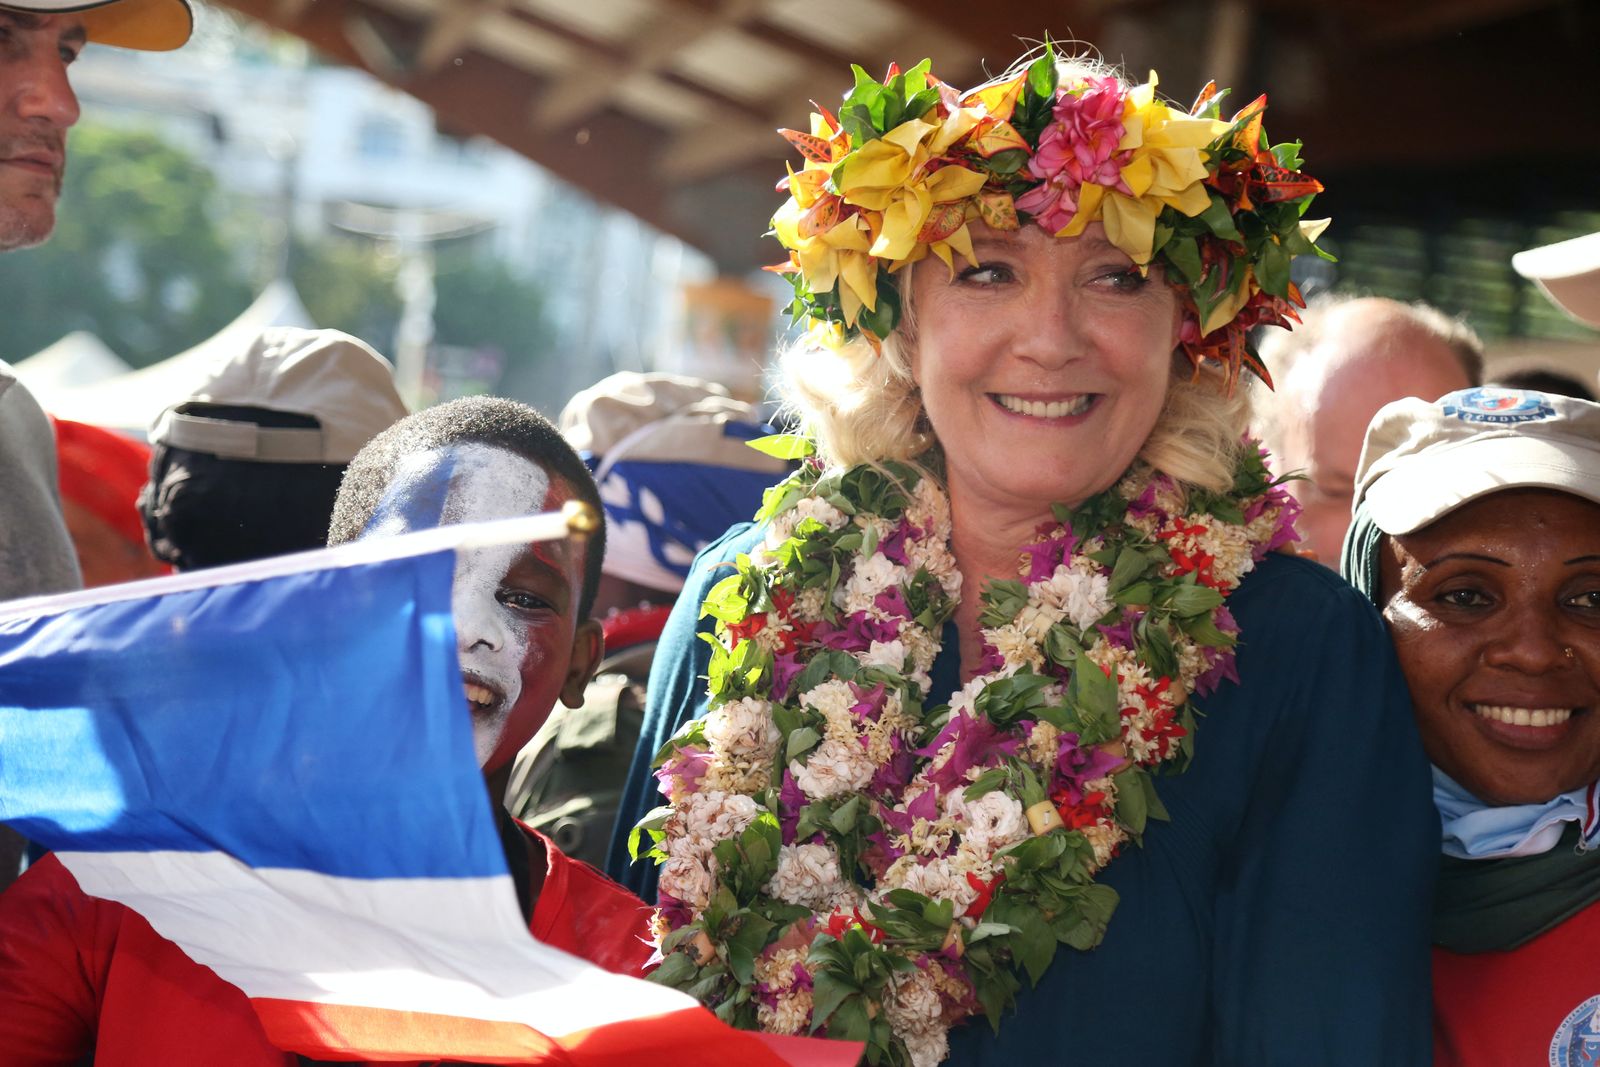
x,y
1477,532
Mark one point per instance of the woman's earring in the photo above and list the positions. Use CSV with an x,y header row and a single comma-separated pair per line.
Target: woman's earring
x,y
1569,652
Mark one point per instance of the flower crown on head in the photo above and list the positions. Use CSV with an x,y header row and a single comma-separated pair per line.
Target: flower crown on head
x,y
909,163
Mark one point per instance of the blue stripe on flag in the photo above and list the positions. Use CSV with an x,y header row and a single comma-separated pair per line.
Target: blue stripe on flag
x,y
314,720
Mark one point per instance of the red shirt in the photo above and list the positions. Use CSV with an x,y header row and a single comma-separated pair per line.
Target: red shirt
x,y
81,974
1534,1005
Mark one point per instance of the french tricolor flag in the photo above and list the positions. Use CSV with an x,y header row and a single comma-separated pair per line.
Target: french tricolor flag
x,y
273,764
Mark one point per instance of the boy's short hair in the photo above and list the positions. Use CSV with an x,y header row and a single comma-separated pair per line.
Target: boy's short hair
x,y
493,421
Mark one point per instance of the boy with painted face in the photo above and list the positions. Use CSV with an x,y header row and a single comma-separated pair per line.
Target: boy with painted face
x,y
521,611
81,975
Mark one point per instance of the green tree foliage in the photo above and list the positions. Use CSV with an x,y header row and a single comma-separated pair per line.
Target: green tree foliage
x,y
151,256
483,304
138,256
348,283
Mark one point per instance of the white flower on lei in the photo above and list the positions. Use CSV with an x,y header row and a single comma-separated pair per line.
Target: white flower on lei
x,y
938,879
688,878
836,766
1016,647
834,699
812,507
744,729
807,875
917,1015
716,816
1081,591
991,822
1230,548
871,576
890,655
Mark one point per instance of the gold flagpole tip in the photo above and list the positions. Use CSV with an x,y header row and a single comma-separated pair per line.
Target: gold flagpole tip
x,y
583,521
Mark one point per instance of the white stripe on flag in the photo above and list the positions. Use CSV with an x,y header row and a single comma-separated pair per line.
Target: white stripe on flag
x,y
453,946
549,526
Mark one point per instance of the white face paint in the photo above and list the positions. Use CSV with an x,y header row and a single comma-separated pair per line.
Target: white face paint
x,y
476,483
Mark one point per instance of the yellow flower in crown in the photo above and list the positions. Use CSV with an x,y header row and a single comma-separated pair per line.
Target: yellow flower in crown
x,y
908,164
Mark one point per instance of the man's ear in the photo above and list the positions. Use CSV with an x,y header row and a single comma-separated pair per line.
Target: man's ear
x,y
588,646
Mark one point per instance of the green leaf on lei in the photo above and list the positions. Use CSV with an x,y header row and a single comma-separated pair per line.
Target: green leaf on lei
x,y
1002,600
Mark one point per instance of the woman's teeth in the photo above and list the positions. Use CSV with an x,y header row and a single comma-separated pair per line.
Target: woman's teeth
x,y
1523,716
1043,409
478,695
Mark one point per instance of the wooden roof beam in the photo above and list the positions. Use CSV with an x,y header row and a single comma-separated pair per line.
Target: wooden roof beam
x,y
591,85
452,29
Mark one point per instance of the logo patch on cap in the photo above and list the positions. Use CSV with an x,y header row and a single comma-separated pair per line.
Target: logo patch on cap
x,y
1503,406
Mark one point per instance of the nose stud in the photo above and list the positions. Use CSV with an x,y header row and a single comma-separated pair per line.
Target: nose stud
x,y
1568,651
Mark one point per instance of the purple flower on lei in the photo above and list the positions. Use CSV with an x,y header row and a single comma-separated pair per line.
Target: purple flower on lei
x,y
1222,664
1121,634
894,546
1285,532
992,659
674,911
1077,764
790,801
895,821
1144,505
978,743
683,770
1052,552
892,602
786,667
893,775
869,702
858,632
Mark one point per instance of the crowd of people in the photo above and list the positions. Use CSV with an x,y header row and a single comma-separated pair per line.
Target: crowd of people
x,y
1062,676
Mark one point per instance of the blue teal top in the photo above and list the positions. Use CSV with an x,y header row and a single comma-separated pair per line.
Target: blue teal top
x,y
1281,917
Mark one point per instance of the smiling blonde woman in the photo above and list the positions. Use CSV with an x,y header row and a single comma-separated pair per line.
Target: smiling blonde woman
x,y
1027,549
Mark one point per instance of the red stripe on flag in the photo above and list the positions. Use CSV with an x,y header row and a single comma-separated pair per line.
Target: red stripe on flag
x,y
348,1032
345,1032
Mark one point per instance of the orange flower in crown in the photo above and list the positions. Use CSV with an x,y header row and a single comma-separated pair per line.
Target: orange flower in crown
x,y
908,164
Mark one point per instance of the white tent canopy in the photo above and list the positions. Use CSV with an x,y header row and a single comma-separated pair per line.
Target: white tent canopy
x,y
131,402
78,359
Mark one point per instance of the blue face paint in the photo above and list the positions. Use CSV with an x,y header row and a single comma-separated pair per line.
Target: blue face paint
x,y
415,499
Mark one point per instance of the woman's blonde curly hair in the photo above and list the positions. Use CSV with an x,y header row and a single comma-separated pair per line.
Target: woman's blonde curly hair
x,y
862,406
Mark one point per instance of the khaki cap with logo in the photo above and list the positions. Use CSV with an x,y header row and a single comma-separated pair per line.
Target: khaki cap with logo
x,y
335,378
1422,459
147,25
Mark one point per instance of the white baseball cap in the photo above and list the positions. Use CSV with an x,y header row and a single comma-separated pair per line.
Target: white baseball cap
x,y
333,377
1569,274
1422,459
147,25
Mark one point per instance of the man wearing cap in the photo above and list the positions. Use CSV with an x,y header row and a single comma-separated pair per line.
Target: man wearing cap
x,y
38,40
248,465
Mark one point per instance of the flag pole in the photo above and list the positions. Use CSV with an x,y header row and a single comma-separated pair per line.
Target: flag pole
x,y
577,519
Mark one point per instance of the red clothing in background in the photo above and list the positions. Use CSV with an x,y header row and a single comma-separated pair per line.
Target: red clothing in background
x,y
1531,1006
78,973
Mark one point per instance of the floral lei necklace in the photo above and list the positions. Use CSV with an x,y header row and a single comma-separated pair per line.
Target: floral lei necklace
x,y
839,858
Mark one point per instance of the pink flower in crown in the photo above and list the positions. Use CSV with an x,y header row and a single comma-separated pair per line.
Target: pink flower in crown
x,y
1079,146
